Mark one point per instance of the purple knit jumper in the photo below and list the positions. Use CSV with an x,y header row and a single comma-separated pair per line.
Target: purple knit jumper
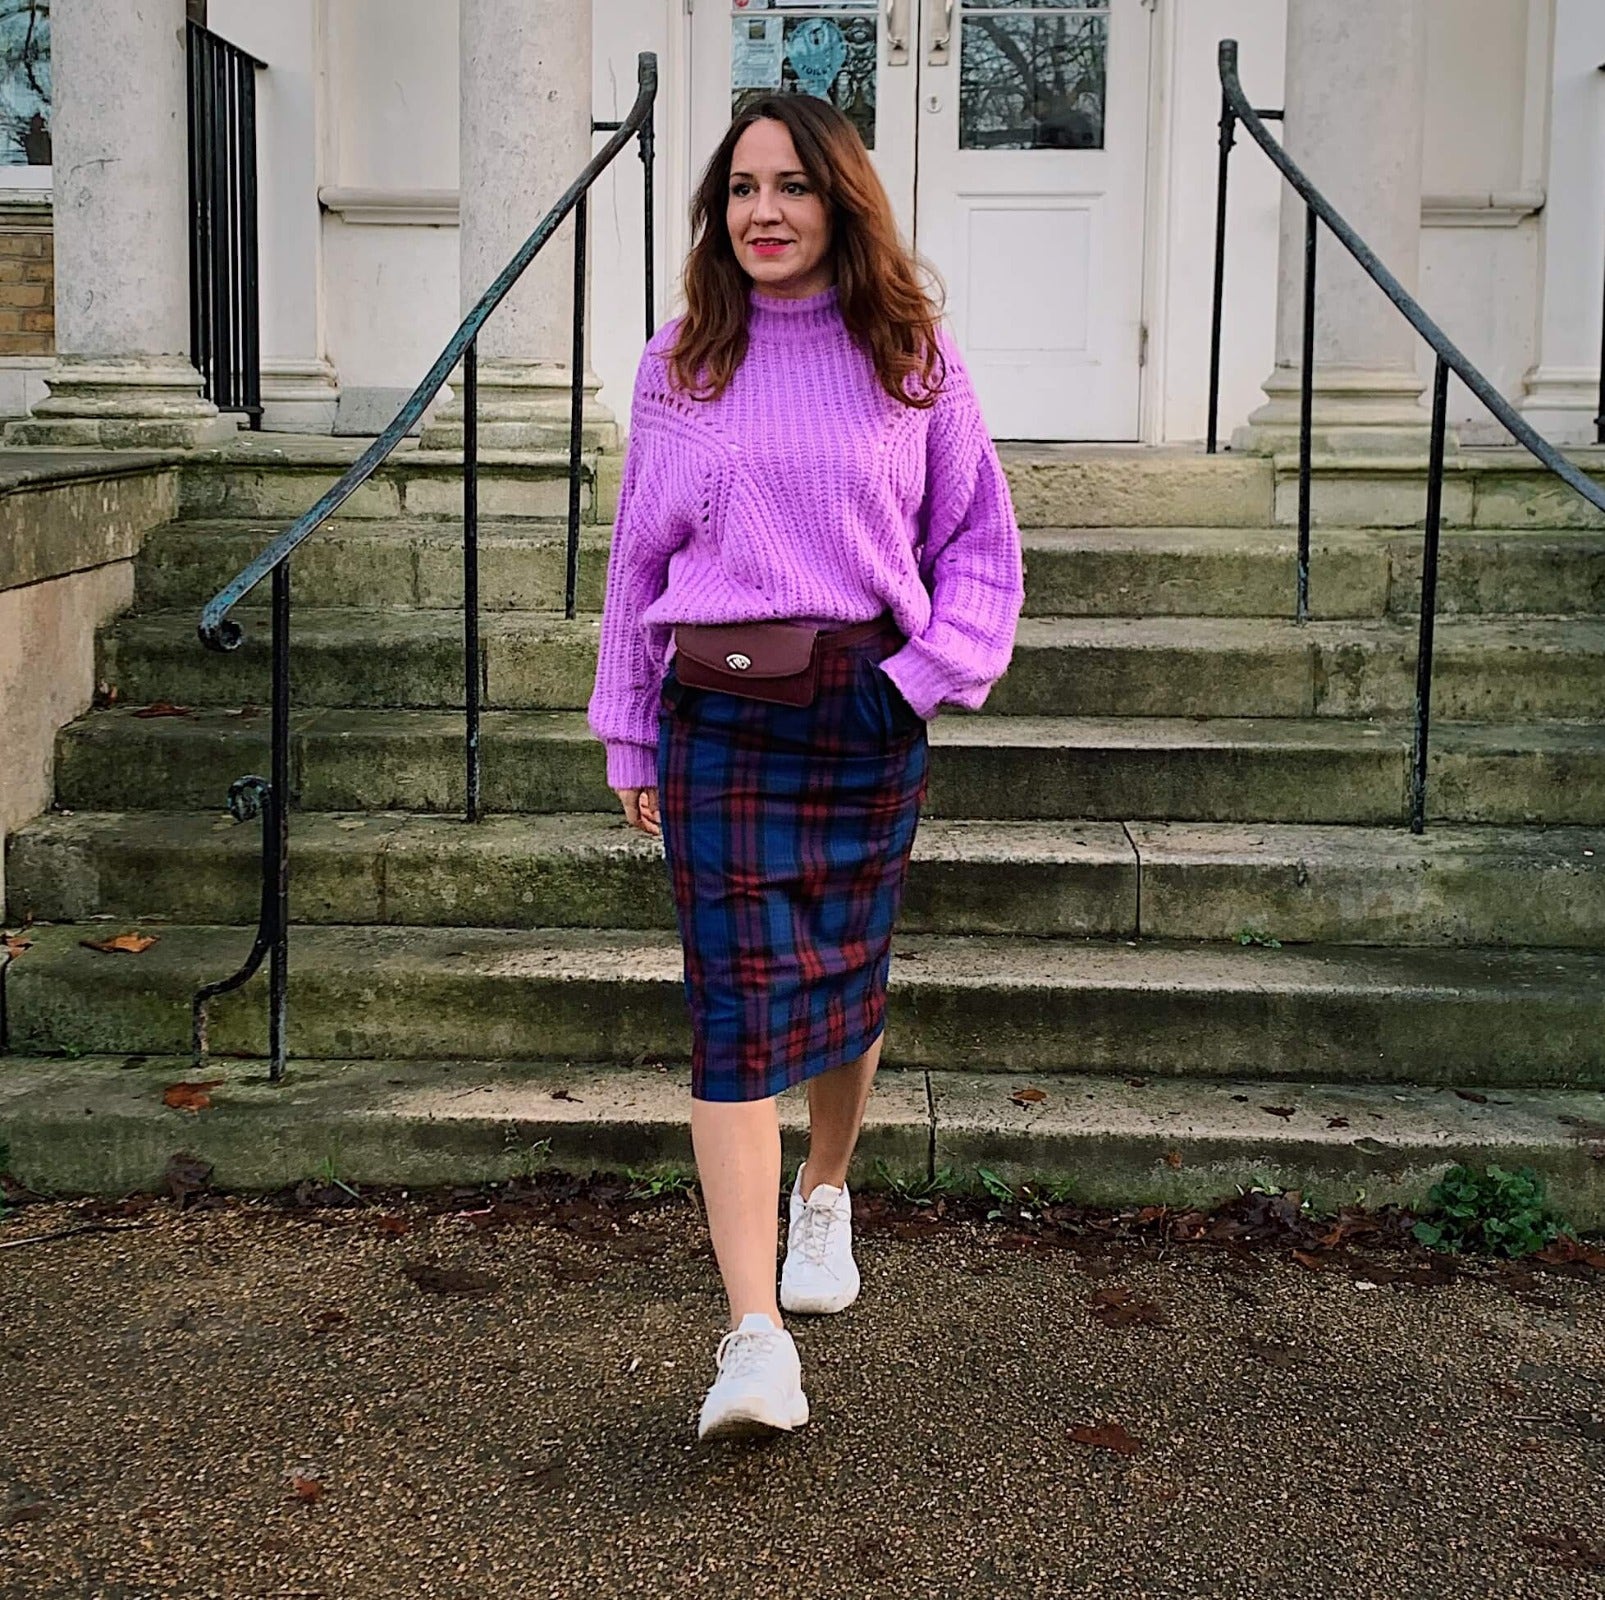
x,y
804,493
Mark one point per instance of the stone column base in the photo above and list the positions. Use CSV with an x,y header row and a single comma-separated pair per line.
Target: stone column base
x,y
123,403
299,395
523,406
1562,402
1354,412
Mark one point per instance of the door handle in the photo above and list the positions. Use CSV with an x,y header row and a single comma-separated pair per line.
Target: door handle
x,y
942,38
896,38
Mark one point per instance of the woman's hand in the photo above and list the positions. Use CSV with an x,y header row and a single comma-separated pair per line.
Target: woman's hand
x,y
641,810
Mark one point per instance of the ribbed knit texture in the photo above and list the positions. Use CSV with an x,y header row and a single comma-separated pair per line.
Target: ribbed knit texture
x,y
805,492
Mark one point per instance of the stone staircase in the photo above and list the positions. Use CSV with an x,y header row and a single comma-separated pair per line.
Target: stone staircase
x,y
1164,876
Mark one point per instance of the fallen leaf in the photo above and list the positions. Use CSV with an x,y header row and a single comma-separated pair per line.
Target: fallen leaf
x,y
1309,1260
189,1096
1114,1308
305,1489
1337,1122
329,1318
1272,1351
1136,1083
1105,1436
1572,1552
394,1225
1472,1095
186,1175
132,944
163,708
450,1280
1280,1111
13,944
1173,1158
1029,1097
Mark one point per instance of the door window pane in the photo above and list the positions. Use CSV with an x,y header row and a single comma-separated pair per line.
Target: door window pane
x,y
826,48
24,83
1032,75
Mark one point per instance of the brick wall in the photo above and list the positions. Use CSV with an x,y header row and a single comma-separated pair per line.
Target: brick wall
x,y
27,290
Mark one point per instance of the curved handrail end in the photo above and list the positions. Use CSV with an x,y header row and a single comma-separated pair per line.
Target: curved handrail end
x,y
219,631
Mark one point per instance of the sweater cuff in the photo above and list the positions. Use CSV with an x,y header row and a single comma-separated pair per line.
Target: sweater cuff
x,y
919,678
631,765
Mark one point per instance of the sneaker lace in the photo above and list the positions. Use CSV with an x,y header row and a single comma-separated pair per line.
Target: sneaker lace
x,y
741,1350
816,1222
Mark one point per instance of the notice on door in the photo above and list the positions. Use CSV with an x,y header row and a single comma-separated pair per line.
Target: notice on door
x,y
756,52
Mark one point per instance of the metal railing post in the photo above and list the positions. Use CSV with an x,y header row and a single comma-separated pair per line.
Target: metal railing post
x,y
1306,409
1228,131
472,668
1429,597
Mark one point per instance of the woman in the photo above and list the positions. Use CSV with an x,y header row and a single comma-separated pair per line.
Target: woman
x,y
805,452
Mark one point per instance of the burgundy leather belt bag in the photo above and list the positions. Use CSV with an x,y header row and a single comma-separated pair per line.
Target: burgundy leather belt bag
x,y
774,661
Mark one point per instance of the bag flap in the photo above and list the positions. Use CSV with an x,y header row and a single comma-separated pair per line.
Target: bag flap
x,y
762,650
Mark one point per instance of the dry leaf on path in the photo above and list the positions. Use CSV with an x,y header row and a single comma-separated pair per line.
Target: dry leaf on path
x,y
1029,1097
450,1280
305,1489
1106,1436
1113,1306
13,944
189,1096
132,944
162,708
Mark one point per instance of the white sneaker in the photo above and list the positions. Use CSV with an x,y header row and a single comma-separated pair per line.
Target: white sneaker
x,y
819,1274
759,1386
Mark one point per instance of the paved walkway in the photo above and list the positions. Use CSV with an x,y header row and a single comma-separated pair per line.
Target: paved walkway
x,y
393,1401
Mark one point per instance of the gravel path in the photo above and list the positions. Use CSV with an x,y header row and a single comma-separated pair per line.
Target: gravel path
x,y
265,1404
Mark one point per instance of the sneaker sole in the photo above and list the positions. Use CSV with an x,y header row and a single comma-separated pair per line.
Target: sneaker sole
x,y
806,1307
750,1424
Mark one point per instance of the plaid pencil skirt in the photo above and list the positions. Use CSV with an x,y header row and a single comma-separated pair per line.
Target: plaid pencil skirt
x,y
787,831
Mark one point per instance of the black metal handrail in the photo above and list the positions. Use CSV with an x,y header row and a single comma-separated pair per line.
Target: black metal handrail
x,y
1318,209
269,796
224,295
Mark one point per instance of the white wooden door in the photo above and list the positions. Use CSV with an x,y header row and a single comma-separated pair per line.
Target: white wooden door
x,y
1011,136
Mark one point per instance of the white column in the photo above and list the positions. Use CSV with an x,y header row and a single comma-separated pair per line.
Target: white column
x,y
525,76
1356,100
1562,390
122,376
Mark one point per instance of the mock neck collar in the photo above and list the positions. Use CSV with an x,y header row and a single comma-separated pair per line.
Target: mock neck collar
x,y
769,314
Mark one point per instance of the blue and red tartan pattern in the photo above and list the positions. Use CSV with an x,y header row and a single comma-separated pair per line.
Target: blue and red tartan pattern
x,y
787,831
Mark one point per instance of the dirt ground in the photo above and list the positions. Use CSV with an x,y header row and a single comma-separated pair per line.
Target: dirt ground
x,y
473,1399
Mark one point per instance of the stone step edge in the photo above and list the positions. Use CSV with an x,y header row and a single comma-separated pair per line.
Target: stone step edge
x,y
99,1125
1149,861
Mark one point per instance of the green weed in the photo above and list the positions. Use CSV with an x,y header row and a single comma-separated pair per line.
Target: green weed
x,y
1497,1212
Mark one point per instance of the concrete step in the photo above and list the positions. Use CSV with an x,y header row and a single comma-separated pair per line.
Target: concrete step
x,y
1525,1018
1223,881
1085,666
1253,572
98,1126
378,563
281,476
988,767
1140,572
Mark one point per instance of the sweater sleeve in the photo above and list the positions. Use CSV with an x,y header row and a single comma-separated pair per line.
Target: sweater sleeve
x,y
971,563
623,707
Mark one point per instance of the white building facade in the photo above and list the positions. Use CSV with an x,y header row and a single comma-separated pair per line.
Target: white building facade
x,y
1054,161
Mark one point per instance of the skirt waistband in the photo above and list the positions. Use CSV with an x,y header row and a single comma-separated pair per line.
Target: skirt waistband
x,y
856,633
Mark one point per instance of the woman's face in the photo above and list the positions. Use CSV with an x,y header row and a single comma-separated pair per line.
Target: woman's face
x,y
779,227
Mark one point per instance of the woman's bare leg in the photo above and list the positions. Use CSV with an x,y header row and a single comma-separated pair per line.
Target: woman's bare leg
x,y
737,1145
836,1102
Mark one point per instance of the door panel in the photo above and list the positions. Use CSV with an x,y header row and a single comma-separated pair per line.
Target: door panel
x,y
1011,137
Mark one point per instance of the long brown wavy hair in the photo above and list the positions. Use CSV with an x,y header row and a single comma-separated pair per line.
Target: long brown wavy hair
x,y
883,303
